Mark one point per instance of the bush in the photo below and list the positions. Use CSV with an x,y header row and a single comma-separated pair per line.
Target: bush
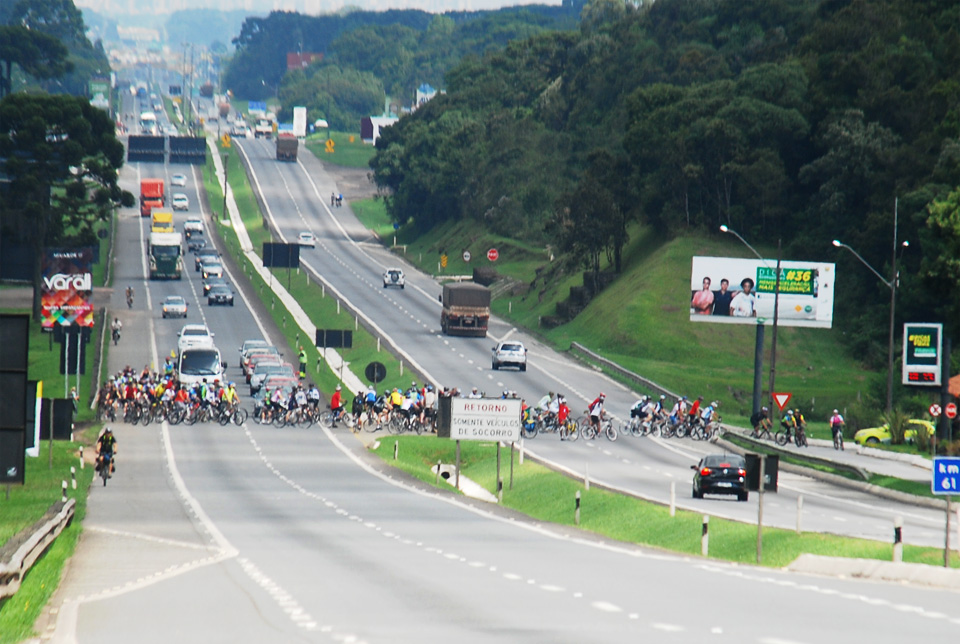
x,y
897,421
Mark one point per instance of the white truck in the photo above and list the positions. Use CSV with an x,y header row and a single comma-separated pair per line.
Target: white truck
x,y
263,128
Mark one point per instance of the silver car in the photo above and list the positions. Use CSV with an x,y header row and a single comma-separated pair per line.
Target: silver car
x,y
510,354
174,306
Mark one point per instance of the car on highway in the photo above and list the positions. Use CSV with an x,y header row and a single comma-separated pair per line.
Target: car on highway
x,y
220,294
181,201
393,277
193,225
269,368
174,306
196,243
210,282
249,346
510,354
307,239
278,380
270,354
178,180
211,267
205,254
720,474
878,435
194,335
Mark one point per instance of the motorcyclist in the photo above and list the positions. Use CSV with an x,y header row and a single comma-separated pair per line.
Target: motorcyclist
x,y
115,328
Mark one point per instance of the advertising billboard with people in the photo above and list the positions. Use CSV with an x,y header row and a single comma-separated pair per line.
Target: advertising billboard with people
x,y
742,291
66,287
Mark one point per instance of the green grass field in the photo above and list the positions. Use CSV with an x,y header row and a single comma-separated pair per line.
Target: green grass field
x,y
348,149
547,496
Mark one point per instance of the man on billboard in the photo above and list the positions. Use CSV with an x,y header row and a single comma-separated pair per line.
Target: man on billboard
x,y
744,303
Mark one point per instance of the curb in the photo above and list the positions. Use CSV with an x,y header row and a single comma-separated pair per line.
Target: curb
x,y
874,570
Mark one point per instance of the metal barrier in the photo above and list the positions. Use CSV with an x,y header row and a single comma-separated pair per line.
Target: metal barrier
x,y
33,541
621,371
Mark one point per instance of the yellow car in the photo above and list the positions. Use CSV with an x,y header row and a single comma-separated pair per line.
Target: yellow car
x,y
875,435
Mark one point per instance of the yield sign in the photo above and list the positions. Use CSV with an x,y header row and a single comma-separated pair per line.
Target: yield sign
x,y
782,400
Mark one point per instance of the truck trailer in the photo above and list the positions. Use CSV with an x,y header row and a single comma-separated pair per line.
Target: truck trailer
x,y
166,256
466,309
287,145
152,196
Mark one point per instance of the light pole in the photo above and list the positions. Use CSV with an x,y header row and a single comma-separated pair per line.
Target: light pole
x,y
892,284
758,351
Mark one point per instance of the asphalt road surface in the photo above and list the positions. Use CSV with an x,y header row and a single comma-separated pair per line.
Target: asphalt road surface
x,y
253,534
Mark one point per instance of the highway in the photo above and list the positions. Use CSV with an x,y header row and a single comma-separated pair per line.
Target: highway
x,y
352,262
254,534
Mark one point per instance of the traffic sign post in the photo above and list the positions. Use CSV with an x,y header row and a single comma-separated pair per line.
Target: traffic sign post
x,y
950,410
946,481
782,399
934,410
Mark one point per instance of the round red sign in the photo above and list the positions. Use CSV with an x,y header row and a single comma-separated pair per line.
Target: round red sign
x,y
934,410
493,254
950,410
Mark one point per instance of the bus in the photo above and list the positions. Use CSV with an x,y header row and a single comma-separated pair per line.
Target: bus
x,y
148,123
166,256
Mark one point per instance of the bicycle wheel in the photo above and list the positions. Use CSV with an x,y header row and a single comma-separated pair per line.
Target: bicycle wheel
x,y
190,417
589,431
326,419
801,439
528,430
175,417
781,438
610,432
280,419
239,416
304,419
837,441
571,432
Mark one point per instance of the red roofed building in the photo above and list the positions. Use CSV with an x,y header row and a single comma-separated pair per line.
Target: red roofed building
x,y
298,60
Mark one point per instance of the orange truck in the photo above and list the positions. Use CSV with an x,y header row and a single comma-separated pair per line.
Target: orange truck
x,y
151,196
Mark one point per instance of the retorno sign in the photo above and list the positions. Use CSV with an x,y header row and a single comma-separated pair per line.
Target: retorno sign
x,y
485,419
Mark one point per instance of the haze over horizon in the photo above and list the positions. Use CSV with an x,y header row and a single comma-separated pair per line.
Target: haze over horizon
x,y
114,8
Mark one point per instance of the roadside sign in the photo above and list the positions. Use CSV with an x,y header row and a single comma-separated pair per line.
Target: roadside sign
x,y
946,475
493,254
950,410
328,146
782,399
466,256
922,354
225,140
934,410
480,419
443,261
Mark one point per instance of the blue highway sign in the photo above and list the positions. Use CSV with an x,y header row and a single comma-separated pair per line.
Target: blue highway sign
x,y
946,475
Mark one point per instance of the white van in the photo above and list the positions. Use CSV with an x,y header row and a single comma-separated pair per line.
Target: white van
x,y
196,363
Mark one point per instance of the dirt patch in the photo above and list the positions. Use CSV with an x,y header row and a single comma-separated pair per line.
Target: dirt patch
x,y
352,183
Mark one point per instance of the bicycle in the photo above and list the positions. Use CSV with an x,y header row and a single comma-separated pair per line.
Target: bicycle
x,y
783,436
569,430
800,437
837,437
233,412
105,459
762,431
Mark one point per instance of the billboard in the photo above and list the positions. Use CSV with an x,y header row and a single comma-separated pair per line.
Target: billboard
x,y
922,353
99,90
66,287
742,291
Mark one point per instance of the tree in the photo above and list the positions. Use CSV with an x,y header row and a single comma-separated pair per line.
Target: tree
x,y
58,18
38,54
588,223
62,157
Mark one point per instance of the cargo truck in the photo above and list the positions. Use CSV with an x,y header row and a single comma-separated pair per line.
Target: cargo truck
x,y
151,196
162,221
287,145
166,256
263,128
466,309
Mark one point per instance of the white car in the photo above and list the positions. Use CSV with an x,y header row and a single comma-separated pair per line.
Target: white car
x,y
211,269
194,335
510,354
181,201
393,277
193,225
178,180
307,239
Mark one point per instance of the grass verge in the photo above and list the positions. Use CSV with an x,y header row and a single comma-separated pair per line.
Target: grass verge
x,y
348,149
548,496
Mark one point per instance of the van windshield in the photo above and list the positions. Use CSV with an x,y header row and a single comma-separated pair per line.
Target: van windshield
x,y
200,362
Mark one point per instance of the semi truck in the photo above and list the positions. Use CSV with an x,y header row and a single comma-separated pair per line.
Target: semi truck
x,y
466,309
166,256
151,196
287,145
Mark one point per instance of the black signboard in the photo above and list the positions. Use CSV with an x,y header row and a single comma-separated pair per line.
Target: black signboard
x,y
277,255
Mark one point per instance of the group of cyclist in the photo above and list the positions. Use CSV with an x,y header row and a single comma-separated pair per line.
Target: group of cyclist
x,y
793,427
683,416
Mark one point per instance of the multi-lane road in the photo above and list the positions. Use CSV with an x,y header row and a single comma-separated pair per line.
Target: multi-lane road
x,y
253,534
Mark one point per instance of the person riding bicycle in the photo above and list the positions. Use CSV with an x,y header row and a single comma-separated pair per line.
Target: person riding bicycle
x,y
798,420
761,422
229,396
694,412
789,423
313,396
679,411
129,294
596,412
836,426
706,414
336,405
637,410
116,326
358,404
429,402
106,448
370,399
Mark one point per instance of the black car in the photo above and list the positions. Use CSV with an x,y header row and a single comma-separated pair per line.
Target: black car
x,y
212,281
205,255
720,474
220,295
196,243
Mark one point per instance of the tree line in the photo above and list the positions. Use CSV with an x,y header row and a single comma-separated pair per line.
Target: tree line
x,y
784,120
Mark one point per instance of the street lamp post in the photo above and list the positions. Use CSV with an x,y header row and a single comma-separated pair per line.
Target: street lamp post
x,y
758,350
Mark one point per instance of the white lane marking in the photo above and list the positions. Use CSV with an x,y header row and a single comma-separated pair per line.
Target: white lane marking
x,y
669,628
606,607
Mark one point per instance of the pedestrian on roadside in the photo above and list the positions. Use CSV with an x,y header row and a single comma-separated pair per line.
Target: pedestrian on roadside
x,y
303,363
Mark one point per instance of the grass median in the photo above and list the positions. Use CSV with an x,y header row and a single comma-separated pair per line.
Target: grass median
x,y
546,495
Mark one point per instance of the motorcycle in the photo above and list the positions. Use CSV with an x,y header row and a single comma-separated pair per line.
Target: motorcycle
x,y
129,300
116,336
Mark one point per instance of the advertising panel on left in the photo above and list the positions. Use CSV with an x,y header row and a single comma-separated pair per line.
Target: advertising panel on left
x,y
66,289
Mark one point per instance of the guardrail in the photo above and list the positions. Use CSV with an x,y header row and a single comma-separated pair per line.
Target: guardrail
x,y
816,460
626,373
33,542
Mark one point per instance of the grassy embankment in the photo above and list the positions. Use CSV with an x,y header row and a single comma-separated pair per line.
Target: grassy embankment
x,y
348,149
547,496
319,305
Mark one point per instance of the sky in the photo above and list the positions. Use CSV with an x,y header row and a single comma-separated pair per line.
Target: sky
x,y
312,7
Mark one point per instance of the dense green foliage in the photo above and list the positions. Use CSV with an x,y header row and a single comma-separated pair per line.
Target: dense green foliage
x,y
801,121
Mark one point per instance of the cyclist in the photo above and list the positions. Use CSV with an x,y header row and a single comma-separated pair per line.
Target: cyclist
x,y
679,411
761,423
596,412
788,423
474,393
336,405
129,296
229,396
313,396
429,401
115,328
107,447
358,405
836,427
370,399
